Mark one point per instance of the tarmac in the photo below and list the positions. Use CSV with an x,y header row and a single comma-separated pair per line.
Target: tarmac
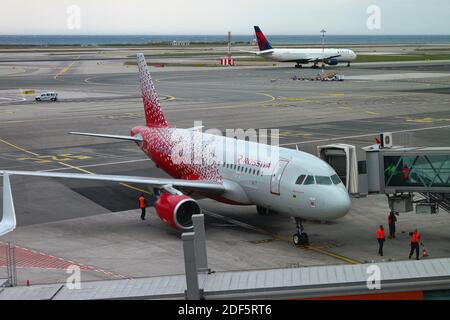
x,y
96,225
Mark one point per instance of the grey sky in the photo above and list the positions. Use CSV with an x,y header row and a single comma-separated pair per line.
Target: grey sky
x,y
219,16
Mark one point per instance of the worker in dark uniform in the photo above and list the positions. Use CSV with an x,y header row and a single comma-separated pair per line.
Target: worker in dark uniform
x,y
415,240
392,219
381,239
142,205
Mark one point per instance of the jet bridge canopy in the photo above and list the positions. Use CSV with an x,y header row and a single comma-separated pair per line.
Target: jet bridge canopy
x,y
349,163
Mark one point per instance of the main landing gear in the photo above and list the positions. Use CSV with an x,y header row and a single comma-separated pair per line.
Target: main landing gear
x,y
301,237
315,66
298,66
348,64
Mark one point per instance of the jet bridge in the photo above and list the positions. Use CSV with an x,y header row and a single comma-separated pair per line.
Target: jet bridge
x,y
408,176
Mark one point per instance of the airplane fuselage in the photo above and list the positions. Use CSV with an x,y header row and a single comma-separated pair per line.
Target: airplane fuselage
x,y
299,55
253,173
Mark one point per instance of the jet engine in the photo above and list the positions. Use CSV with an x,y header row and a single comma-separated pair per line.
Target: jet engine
x,y
177,210
332,62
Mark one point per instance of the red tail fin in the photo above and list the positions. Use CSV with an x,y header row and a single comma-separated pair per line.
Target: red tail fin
x,y
152,108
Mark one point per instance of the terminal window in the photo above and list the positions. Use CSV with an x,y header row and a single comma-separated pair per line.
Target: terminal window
x,y
417,171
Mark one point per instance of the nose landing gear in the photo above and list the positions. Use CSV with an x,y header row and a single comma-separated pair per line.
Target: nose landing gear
x,y
301,237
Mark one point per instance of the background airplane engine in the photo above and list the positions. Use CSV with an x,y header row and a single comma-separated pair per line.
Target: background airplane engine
x,y
332,62
177,210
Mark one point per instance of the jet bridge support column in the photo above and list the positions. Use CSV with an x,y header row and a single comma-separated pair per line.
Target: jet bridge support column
x,y
190,263
200,242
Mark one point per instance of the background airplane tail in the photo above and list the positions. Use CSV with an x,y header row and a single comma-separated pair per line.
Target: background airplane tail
x,y
153,113
263,43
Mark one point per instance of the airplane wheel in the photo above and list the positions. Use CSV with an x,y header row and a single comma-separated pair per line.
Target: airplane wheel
x,y
301,239
298,66
296,239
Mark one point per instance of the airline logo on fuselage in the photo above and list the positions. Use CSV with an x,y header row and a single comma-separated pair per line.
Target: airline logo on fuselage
x,y
254,163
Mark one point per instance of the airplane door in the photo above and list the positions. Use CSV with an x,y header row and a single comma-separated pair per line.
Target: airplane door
x,y
275,181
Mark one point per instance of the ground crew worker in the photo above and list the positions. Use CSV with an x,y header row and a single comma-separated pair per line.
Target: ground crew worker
x,y
415,240
381,239
392,219
142,205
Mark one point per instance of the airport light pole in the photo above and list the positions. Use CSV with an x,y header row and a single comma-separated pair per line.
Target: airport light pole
x,y
323,31
323,39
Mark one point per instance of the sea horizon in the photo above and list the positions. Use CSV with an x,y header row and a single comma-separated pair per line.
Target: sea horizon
x,y
92,40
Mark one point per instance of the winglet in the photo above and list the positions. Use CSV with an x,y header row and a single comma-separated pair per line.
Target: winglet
x,y
153,113
8,222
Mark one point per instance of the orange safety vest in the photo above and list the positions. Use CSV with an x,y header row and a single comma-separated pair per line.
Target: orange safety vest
x,y
380,233
415,237
142,202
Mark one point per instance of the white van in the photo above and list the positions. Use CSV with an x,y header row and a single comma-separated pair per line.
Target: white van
x,y
47,96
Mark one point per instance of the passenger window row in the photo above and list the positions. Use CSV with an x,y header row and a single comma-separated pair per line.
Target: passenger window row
x,y
322,180
246,170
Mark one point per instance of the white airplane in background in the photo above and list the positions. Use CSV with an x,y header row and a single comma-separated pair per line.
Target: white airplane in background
x,y
293,183
302,56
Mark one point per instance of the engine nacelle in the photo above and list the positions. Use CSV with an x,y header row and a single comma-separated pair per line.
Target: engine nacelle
x,y
332,62
177,210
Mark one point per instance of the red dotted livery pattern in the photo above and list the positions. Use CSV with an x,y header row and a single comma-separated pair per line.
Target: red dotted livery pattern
x,y
152,107
160,142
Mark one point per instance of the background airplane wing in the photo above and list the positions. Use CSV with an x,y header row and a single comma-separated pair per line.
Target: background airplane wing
x,y
259,53
110,136
321,57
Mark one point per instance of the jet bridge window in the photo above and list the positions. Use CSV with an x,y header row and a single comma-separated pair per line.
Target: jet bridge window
x,y
323,180
300,179
309,180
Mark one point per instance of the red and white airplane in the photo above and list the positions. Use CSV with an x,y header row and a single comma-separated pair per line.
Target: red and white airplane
x,y
228,170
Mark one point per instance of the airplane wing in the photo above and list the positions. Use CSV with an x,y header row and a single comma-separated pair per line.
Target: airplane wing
x,y
195,185
8,222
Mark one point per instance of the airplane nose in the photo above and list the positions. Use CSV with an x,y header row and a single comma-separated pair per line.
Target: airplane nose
x,y
343,203
339,203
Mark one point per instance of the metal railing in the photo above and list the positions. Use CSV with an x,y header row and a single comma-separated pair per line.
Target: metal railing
x,y
442,199
11,264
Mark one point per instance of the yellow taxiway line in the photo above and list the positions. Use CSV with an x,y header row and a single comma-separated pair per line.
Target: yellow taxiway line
x,y
19,148
65,69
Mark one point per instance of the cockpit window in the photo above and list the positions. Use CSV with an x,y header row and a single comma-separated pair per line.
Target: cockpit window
x,y
323,180
309,180
336,180
300,179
